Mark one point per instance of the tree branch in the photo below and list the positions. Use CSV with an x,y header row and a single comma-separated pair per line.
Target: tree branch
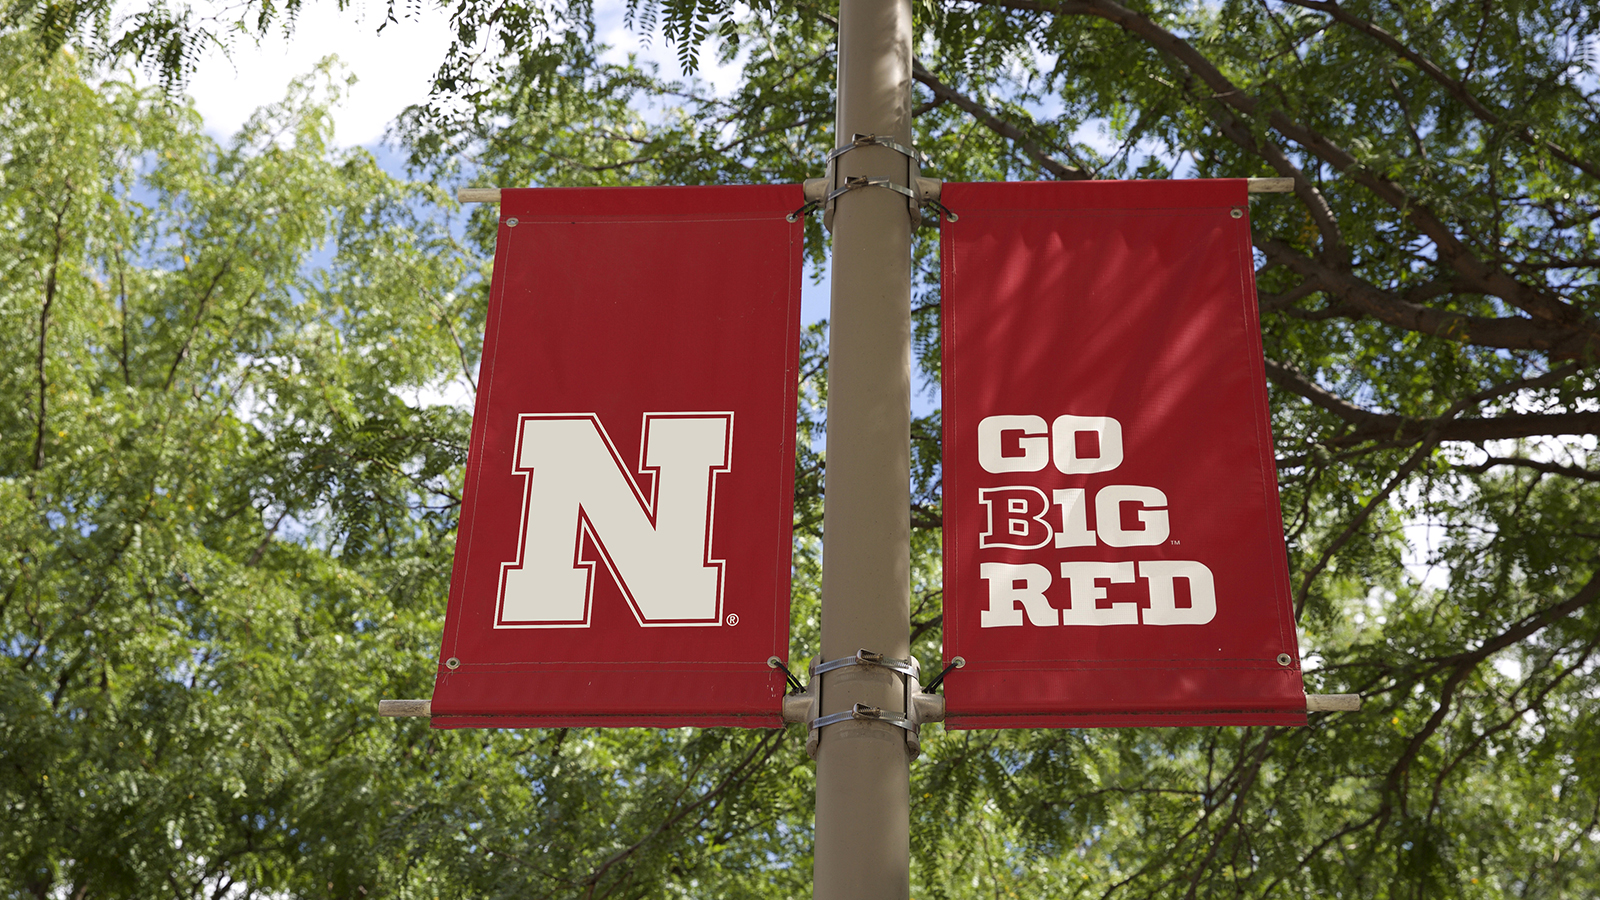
x,y
1456,89
1526,627
1431,437
1316,205
1520,462
997,125
1482,735
199,316
1405,430
50,287
769,742
1511,333
1292,379
1269,302
1451,249
122,309
1474,431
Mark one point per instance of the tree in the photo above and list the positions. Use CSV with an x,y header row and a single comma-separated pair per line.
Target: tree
x,y
1428,299
217,511
230,483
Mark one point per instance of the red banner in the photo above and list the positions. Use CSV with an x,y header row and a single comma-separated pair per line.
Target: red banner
x,y
1113,548
624,550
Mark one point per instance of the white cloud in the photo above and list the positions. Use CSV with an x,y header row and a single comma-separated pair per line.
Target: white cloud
x,y
395,69
611,29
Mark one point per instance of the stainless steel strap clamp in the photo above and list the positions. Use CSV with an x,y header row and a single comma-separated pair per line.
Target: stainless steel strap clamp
x,y
863,711
857,182
857,141
826,190
916,708
868,658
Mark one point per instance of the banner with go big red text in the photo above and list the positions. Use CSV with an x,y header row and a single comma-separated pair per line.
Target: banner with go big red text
x,y
623,556
1114,552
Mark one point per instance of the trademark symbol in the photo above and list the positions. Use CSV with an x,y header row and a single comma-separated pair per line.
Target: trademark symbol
x,y
733,618
1176,543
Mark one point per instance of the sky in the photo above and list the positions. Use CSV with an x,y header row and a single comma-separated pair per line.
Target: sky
x,y
394,69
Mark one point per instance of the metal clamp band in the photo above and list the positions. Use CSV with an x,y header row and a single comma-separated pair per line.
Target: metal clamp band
x,y
857,182
868,658
918,707
874,140
868,713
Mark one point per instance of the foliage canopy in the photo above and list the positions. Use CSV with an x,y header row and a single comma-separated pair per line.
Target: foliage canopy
x,y
230,477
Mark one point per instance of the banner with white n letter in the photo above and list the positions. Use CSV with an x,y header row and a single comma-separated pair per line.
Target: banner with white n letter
x,y
624,549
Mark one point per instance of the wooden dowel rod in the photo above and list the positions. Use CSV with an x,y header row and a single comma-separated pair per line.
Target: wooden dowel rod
x,y
1253,185
1269,185
394,708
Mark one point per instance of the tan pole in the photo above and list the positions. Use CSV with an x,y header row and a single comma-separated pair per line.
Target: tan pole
x,y
863,845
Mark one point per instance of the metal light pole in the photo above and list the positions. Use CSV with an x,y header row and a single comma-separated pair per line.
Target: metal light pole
x,y
863,846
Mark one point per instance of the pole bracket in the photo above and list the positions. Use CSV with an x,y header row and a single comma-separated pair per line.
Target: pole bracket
x,y
917,708
817,194
909,187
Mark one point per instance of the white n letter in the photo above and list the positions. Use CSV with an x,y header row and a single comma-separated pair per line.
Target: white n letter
x,y
657,548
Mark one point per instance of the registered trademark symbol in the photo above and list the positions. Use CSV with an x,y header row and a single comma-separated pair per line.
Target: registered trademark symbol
x,y
733,618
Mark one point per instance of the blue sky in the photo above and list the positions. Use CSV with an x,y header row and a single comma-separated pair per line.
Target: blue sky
x,y
394,70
